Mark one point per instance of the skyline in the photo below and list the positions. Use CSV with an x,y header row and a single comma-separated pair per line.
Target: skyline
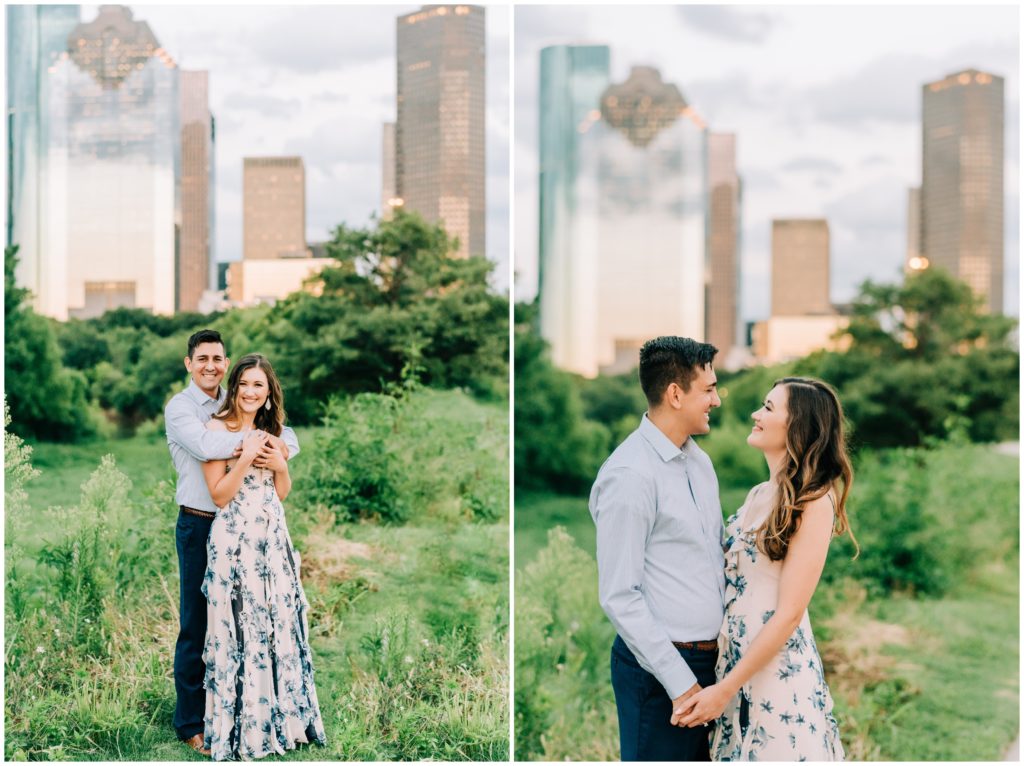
x,y
839,140
283,61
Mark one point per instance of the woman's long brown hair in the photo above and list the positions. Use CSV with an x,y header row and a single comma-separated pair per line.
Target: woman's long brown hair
x,y
272,420
816,462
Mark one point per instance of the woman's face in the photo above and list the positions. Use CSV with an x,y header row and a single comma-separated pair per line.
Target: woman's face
x,y
252,390
770,422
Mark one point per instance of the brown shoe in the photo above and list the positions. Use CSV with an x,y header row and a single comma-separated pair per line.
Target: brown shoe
x,y
196,743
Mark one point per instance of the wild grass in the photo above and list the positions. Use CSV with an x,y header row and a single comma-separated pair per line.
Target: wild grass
x,y
911,673
409,623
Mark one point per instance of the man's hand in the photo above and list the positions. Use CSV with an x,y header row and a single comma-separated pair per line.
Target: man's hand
x,y
678,708
703,708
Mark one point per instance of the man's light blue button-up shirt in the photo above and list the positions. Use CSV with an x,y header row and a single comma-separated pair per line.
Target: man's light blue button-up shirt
x,y
661,571
192,444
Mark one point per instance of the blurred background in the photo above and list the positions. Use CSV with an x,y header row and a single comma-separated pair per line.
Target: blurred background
x,y
820,191
327,186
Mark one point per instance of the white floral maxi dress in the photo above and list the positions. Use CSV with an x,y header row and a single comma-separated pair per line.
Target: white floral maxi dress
x,y
260,697
788,712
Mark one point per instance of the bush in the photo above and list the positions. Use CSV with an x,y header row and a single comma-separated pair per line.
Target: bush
x,y
564,705
422,453
354,466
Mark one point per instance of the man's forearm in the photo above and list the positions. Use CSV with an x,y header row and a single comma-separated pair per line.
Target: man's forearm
x,y
188,431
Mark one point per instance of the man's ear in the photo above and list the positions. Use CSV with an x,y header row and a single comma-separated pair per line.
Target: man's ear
x,y
188,364
672,395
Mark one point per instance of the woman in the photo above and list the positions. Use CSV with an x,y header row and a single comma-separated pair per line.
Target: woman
x,y
260,696
771,701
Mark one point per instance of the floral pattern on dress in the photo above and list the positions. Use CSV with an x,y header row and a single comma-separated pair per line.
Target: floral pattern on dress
x,y
789,708
260,695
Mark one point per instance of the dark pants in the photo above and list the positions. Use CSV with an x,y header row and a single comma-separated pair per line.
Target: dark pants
x,y
190,536
645,708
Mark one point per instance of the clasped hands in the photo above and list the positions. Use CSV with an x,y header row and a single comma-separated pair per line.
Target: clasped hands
x,y
265,450
699,707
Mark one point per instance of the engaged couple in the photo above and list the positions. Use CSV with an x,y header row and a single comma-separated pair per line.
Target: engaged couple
x,y
715,658
243,669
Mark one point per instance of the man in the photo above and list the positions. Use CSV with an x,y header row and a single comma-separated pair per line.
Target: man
x,y
191,444
659,554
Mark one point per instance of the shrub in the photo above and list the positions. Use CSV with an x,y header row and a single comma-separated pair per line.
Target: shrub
x,y
563,641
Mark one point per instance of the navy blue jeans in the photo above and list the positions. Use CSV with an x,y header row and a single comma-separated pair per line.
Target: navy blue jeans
x,y
190,535
645,708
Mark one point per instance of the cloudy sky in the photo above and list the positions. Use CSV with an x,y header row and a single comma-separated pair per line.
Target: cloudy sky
x,y
825,103
318,81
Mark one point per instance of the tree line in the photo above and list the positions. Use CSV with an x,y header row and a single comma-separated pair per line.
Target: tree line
x,y
395,306
922,363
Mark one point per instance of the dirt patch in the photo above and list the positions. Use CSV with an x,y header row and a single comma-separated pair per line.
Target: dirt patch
x,y
854,659
328,560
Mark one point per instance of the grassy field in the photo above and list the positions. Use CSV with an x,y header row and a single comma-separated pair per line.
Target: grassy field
x,y
914,677
409,622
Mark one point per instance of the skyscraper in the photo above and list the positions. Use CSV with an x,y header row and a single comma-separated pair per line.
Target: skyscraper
x,y
915,258
195,257
36,37
800,267
962,180
624,249
439,134
722,306
273,208
110,190
572,79
388,192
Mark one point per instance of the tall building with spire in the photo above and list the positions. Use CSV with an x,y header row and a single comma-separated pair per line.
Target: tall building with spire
x,y
631,261
962,203
111,188
37,35
440,166
196,262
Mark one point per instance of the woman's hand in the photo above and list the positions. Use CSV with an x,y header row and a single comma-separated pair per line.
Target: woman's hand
x,y
272,457
705,706
252,444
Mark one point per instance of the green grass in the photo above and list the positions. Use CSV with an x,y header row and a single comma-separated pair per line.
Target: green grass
x,y
914,678
409,624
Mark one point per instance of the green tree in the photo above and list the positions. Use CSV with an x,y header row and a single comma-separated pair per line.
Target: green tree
x,y
47,401
395,301
930,316
556,447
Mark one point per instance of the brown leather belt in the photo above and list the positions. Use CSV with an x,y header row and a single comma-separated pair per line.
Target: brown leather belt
x,y
197,512
700,646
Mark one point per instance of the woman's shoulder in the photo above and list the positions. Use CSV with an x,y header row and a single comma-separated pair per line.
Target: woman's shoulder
x,y
215,424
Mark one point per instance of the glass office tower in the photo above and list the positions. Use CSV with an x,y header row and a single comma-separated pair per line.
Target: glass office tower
x,y
572,79
36,37
112,182
623,223
440,168
962,180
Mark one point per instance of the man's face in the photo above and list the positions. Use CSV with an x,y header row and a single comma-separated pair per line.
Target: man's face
x,y
207,366
693,407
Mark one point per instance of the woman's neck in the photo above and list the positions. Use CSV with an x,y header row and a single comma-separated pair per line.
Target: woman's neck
x,y
775,460
244,422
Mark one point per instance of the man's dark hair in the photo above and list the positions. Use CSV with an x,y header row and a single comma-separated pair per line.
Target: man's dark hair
x,y
671,359
205,336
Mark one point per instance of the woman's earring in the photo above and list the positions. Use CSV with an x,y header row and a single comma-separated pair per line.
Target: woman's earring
x,y
267,405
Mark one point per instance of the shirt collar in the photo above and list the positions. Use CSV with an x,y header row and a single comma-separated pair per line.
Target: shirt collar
x,y
199,396
662,444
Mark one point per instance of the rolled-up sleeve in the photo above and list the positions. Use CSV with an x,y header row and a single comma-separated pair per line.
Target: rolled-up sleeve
x,y
189,432
291,441
624,505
